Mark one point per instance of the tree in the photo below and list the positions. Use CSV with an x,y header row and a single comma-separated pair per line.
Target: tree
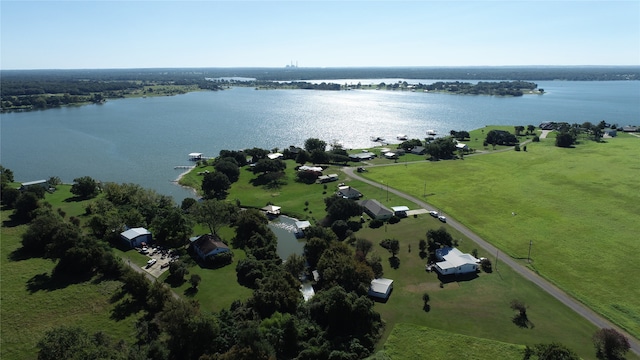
x,y
520,318
425,302
565,139
295,265
229,167
278,291
313,144
531,129
341,209
501,137
422,245
25,206
610,344
519,129
319,157
303,157
171,227
215,185
84,187
214,214
552,351
441,148
393,245
178,270
269,165
340,228
6,175
195,280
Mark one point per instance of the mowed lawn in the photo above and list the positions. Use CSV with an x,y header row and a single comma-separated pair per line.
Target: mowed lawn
x,y
29,305
478,307
409,342
579,207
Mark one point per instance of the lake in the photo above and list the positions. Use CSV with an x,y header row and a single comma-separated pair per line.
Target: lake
x,y
142,140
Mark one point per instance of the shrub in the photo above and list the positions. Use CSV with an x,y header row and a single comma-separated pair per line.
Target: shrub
x,y
375,223
536,139
516,147
485,265
394,220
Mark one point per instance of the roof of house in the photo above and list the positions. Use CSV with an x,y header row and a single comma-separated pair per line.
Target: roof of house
x,y
134,233
36,182
301,225
454,257
208,242
399,208
310,168
418,149
363,156
375,207
348,192
274,156
381,285
272,209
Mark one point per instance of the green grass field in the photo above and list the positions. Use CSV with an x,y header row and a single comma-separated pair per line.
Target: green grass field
x,y
478,307
30,307
578,206
417,342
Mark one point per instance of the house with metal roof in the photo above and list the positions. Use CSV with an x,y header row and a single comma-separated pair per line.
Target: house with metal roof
x,y
348,192
454,262
375,209
135,237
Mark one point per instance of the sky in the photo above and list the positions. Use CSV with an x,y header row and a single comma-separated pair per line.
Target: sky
x,y
169,34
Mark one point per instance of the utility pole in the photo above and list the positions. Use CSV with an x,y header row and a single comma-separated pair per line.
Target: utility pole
x,y
496,260
529,256
387,191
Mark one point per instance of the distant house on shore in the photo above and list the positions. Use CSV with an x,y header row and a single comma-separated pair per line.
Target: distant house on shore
x,y
361,156
272,210
375,209
418,150
454,262
28,184
135,237
208,245
381,288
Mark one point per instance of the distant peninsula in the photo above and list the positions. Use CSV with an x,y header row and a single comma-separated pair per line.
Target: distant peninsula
x,y
43,89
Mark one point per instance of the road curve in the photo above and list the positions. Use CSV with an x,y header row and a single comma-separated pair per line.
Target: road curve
x,y
554,291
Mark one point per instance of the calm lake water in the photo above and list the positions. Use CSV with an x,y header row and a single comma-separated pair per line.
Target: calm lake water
x,y
142,140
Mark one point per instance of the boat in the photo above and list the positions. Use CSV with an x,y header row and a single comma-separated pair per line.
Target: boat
x,y
377,139
431,132
402,137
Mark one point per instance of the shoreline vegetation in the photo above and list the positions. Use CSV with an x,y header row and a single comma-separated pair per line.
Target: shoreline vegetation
x,y
24,90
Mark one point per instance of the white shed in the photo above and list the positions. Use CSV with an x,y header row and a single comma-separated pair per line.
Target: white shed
x,y
381,288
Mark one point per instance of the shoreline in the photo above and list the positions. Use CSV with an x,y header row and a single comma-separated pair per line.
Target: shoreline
x,y
182,174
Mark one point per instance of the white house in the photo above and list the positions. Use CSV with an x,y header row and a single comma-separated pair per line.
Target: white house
x,y
272,210
400,211
136,236
453,262
300,226
381,288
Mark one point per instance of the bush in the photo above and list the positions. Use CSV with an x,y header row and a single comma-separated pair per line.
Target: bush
x,y
375,223
485,265
536,139
516,147
220,259
394,220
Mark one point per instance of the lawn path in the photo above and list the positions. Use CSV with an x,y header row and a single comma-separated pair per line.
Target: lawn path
x,y
554,291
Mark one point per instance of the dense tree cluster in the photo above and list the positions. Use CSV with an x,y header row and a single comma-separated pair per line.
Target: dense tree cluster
x,y
500,137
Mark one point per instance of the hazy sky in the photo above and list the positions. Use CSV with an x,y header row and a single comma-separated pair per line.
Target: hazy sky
x,y
141,34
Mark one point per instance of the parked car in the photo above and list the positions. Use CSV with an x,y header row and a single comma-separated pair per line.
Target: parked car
x,y
442,218
151,262
165,265
433,213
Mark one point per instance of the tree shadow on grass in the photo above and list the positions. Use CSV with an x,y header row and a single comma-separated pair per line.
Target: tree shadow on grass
x,y
21,254
394,262
125,308
46,282
190,292
174,281
445,279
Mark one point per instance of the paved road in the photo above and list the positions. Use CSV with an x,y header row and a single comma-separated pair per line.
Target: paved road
x,y
585,312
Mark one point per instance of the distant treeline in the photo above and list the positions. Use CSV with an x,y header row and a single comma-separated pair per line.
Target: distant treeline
x,y
41,89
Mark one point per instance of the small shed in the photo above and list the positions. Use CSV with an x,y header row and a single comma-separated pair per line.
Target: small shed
x,y
208,245
327,178
381,288
274,156
136,236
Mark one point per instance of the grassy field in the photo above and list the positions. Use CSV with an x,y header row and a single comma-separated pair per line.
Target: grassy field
x,y
30,307
477,307
578,206
410,341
